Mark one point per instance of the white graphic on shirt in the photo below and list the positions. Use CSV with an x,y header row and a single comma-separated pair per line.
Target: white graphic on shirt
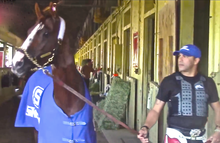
x,y
37,92
199,87
32,112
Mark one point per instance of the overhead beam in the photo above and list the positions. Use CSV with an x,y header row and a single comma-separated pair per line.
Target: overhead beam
x,y
9,37
78,5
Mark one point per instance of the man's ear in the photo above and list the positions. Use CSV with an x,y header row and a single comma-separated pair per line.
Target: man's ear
x,y
197,60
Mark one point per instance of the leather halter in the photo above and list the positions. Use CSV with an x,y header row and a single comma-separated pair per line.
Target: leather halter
x,y
52,53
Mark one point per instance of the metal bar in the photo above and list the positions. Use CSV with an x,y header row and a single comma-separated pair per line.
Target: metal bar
x,y
77,5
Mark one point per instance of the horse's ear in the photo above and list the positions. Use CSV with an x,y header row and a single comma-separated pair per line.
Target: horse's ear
x,y
37,11
52,9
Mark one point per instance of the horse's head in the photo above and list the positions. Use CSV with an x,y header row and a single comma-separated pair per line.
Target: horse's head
x,y
42,42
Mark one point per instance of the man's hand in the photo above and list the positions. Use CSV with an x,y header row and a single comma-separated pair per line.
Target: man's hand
x,y
215,138
152,118
143,135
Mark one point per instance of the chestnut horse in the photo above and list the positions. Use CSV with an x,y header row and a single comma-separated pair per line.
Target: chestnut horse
x,y
48,45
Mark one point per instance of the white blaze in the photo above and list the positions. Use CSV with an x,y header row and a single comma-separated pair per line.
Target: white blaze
x,y
18,55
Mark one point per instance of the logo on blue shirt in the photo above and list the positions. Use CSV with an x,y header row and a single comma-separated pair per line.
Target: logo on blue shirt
x,y
37,92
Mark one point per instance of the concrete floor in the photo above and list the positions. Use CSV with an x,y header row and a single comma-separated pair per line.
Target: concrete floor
x,y
10,134
120,136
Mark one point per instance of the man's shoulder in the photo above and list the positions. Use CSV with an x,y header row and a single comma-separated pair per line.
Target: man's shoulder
x,y
171,77
169,80
206,78
85,67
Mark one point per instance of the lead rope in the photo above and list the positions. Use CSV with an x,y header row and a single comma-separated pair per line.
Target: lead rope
x,y
61,83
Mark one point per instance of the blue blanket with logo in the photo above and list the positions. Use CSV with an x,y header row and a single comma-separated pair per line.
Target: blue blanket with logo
x,y
38,109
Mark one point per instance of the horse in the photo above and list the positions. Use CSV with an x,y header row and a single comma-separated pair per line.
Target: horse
x,y
48,46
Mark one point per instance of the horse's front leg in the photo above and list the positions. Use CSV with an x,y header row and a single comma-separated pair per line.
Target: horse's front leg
x,y
35,136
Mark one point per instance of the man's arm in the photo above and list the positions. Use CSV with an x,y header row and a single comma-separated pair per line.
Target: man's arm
x,y
161,99
216,107
154,114
214,99
216,136
152,118
214,103
83,71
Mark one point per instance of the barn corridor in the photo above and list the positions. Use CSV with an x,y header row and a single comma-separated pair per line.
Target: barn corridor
x,y
10,134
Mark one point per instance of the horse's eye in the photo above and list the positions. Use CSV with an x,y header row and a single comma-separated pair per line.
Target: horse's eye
x,y
46,34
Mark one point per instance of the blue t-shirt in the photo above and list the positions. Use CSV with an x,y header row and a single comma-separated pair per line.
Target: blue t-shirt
x,y
38,109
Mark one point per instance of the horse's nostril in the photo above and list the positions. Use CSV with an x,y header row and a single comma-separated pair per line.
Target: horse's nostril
x,y
19,64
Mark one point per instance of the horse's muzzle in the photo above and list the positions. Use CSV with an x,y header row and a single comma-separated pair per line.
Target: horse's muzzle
x,y
18,68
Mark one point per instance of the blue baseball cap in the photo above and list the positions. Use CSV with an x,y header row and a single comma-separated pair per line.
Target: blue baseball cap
x,y
189,50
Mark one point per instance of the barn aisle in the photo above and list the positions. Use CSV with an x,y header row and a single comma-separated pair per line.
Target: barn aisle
x,y
10,134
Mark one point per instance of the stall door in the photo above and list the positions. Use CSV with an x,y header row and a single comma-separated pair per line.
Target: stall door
x,y
167,44
167,39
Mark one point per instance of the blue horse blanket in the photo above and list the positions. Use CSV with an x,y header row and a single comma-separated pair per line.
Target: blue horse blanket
x,y
38,109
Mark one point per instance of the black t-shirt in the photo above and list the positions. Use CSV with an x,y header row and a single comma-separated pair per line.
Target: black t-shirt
x,y
169,87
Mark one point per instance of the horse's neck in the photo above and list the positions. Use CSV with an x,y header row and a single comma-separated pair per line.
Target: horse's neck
x,y
67,101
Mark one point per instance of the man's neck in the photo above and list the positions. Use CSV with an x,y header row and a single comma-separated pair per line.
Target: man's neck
x,y
190,74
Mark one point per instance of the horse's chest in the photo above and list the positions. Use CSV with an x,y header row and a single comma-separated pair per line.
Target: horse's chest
x,y
69,106
57,125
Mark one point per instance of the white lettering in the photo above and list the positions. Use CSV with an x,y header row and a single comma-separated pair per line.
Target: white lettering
x,y
32,112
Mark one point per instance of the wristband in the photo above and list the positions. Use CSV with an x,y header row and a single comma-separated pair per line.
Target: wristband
x,y
217,130
145,127
147,135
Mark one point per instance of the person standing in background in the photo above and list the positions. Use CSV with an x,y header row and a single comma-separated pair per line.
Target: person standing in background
x,y
86,70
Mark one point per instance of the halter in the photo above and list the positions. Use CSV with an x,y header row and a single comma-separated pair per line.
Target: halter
x,y
30,37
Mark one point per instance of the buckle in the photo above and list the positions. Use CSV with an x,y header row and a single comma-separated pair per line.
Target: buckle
x,y
194,133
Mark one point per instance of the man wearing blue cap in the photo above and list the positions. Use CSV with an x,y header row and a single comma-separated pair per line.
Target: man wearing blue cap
x,y
188,94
